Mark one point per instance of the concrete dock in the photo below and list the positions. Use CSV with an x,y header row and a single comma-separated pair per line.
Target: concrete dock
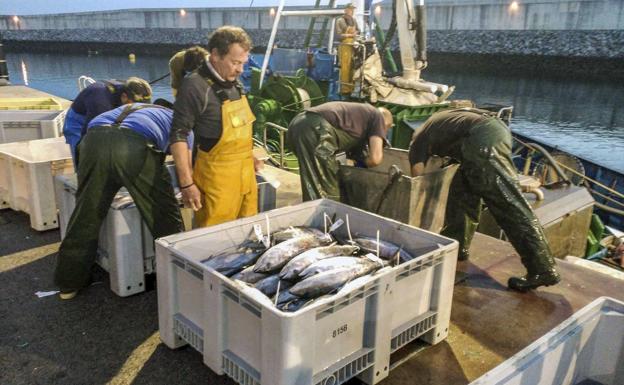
x,y
99,338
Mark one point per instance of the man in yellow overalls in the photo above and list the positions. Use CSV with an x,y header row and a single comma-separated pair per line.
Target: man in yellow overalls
x,y
346,29
221,186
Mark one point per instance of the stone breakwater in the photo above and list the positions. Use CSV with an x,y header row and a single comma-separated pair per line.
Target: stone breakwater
x,y
594,44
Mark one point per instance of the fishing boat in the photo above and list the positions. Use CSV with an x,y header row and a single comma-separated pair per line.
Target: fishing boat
x,y
300,78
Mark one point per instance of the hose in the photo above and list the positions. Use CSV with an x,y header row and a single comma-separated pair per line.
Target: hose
x,y
160,78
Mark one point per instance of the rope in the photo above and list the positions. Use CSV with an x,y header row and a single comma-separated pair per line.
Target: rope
x,y
160,78
609,189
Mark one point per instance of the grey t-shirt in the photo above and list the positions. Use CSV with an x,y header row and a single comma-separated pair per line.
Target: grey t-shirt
x,y
198,108
443,134
342,24
359,120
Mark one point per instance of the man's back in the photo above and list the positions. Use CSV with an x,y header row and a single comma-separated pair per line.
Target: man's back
x,y
152,122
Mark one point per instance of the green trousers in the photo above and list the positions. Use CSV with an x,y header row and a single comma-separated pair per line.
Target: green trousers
x,y
315,143
487,175
111,158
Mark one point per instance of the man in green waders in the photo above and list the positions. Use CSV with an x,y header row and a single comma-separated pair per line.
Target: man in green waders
x,y
319,133
124,147
482,144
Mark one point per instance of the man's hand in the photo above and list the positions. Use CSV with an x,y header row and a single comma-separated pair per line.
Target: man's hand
x,y
258,164
191,196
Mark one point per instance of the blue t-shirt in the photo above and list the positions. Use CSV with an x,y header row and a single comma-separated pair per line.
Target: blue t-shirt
x,y
154,123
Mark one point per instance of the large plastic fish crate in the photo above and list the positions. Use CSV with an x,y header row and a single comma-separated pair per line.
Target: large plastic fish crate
x,y
27,171
390,191
30,104
126,245
586,349
353,333
16,126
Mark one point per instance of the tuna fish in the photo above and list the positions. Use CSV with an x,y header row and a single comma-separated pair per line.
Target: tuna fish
x,y
294,305
230,262
331,264
296,265
277,256
249,276
387,250
331,280
285,296
268,286
293,232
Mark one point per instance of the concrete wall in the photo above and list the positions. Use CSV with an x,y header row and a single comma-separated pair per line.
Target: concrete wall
x,y
441,15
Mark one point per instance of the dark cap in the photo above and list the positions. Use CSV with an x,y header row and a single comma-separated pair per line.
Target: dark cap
x,y
350,5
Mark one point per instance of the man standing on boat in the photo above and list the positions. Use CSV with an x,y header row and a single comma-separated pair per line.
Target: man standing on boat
x,y
210,102
124,147
97,98
482,144
346,30
319,133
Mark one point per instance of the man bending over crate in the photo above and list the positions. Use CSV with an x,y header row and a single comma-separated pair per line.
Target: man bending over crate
x,y
124,147
482,144
319,133
97,98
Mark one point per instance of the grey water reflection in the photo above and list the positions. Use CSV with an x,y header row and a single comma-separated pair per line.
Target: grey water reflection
x,y
579,116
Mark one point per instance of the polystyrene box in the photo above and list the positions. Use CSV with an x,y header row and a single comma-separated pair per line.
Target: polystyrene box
x,y
240,333
27,171
126,246
586,349
16,126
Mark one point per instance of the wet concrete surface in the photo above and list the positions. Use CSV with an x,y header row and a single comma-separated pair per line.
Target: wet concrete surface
x,y
99,338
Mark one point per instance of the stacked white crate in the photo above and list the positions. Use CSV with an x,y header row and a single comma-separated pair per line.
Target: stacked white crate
x,y
587,348
241,334
27,171
126,246
16,126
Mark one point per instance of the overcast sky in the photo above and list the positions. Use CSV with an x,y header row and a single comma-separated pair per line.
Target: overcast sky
x,y
31,7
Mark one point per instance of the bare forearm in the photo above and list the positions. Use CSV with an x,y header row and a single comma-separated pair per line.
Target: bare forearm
x,y
181,157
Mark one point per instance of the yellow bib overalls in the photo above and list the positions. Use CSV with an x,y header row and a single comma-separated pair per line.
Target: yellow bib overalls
x,y
345,55
225,175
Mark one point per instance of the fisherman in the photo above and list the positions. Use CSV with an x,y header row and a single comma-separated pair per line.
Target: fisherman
x,y
211,103
317,134
124,147
346,29
183,63
482,144
97,98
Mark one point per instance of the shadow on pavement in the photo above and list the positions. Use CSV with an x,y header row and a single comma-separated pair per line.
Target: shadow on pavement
x,y
86,340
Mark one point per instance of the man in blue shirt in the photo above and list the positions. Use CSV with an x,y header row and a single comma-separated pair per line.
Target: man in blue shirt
x,y
124,147
98,98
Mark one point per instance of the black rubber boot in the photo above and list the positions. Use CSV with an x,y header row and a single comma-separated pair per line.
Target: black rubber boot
x,y
533,281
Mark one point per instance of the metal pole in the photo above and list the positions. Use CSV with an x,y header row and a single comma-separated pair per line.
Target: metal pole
x,y
267,54
4,69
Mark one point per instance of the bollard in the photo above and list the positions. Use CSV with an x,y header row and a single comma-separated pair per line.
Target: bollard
x,y
4,69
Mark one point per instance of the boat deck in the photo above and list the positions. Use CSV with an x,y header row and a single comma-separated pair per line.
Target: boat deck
x,y
27,92
99,338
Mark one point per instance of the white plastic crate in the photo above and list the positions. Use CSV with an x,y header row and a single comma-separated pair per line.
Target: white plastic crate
x,y
27,171
17,126
586,349
126,246
330,341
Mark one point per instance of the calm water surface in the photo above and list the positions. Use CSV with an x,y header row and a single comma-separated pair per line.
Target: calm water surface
x,y
579,116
